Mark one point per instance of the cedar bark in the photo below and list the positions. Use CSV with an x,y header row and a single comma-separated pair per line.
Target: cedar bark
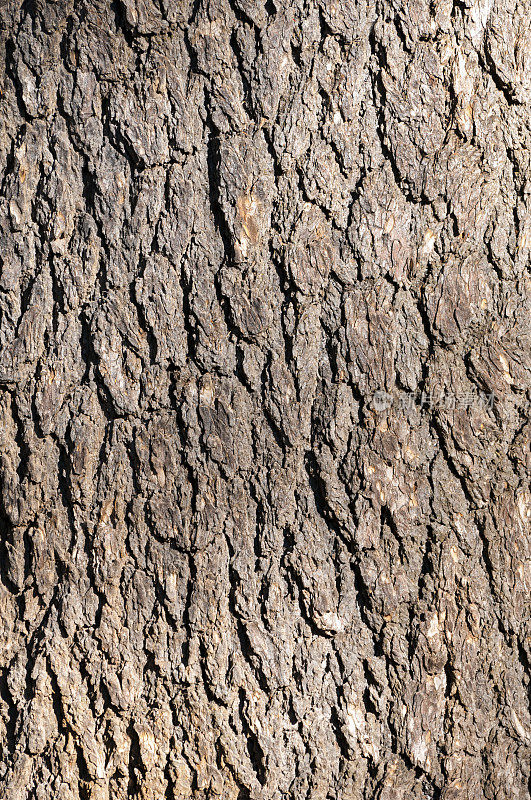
x,y
264,395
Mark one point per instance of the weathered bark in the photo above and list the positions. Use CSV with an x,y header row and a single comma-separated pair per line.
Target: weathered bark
x,y
264,385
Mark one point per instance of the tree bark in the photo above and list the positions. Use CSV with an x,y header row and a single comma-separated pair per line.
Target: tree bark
x,y
264,395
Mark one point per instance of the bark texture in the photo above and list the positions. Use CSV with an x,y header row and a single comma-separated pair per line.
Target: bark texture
x,y
246,552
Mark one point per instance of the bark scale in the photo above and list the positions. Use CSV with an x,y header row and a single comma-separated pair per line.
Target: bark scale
x,y
264,394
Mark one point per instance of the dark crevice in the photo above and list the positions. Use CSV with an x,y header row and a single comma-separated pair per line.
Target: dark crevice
x,y
135,763
10,719
196,5
341,740
243,638
121,23
254,749
21,442
319,493
143,322
247,89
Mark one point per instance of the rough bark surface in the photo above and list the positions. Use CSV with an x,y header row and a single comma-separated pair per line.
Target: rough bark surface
x,y
246,552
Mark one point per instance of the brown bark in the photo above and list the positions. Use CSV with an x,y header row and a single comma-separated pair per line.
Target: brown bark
x,y
264,395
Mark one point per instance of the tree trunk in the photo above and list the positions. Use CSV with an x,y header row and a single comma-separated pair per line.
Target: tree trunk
x,y
264,385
